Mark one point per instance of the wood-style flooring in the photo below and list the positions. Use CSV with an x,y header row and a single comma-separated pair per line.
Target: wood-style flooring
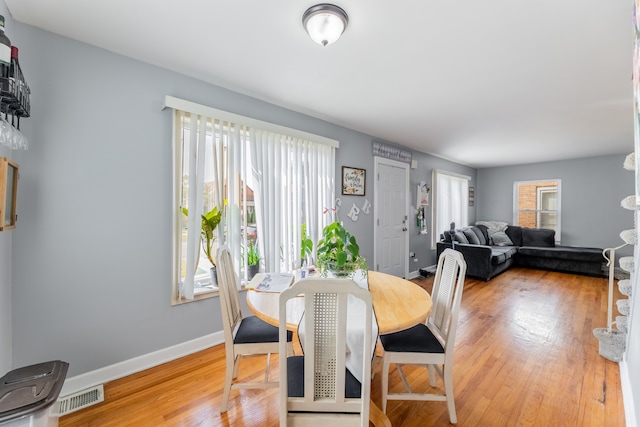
x,y
525,356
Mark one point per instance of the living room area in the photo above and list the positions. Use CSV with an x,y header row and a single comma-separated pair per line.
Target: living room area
x,y
86,275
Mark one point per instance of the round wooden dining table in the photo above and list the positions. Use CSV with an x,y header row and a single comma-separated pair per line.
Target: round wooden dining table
x,y
398,304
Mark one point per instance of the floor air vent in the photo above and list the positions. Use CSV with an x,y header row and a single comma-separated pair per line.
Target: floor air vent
x,y
74,402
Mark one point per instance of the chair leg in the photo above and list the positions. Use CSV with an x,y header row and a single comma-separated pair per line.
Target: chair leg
x,y
448,389
385,382
403,378
268,368
432,375
228,378
236,363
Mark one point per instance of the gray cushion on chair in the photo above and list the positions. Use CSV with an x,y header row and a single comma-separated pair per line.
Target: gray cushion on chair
x,y
295,379
253,329
418,339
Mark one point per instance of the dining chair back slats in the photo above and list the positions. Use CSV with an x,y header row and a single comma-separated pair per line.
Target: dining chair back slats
x,y
243,336
443,293
329,394
432,343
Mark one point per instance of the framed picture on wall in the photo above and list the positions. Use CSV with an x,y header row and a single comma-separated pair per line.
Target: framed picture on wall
x,y
353,181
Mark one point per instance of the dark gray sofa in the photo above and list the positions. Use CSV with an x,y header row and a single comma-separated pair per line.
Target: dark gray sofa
x,y
489,253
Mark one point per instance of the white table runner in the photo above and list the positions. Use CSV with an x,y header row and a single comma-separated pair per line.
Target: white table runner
x,y
355,328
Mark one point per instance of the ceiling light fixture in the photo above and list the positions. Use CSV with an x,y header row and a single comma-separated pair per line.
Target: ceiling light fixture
x,y
325,23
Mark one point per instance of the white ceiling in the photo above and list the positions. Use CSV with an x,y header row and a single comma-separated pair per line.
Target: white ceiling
x,y
484,83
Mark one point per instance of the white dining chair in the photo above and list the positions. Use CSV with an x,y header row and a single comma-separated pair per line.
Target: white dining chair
x,y
243,336
430,344
317,389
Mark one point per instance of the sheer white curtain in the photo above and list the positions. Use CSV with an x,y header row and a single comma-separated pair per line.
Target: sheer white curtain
x,y
450,202
205,165
217,156
294,182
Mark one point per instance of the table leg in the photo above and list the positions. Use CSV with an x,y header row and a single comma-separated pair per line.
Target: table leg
x,y
377,417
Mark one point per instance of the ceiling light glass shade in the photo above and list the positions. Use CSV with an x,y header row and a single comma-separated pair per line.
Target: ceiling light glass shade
x,y
325,23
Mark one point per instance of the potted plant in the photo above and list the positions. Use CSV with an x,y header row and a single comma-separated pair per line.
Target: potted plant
x,y
339,252
253,260
306,246
210,221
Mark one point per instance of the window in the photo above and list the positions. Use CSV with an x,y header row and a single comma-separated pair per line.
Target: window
x,y
222,159
450,202
537,204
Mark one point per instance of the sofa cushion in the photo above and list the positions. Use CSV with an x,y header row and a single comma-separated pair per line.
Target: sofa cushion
x,y
494,225
538,237
515,234
482,237
564,252
501,254
460,237
471,236
485,232
500,238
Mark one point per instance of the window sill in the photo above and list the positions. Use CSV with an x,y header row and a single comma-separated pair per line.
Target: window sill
x,y
199,294
202,293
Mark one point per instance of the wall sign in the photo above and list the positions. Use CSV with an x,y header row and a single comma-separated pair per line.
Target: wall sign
x,y
390,152
353,181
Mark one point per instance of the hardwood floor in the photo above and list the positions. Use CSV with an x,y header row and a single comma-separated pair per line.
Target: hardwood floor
x,y
525,356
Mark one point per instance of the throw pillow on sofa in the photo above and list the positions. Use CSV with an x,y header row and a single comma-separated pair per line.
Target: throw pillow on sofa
x,y
471,235
499,238
460,237
494,225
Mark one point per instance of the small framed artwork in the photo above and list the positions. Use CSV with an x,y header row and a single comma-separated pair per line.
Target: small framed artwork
x,y
472,196
353,181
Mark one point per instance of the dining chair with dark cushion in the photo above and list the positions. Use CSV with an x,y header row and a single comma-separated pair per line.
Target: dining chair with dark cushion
x,y
431,343
243,336
320,390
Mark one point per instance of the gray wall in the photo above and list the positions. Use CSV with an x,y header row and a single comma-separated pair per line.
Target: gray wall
x,y
88,267
592,189
92,252
420,244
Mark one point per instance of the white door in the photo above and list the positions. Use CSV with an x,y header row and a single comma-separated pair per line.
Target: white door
x,y
390,203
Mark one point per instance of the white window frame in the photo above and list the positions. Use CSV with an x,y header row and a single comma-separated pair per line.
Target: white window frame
x,y
457,205
247,123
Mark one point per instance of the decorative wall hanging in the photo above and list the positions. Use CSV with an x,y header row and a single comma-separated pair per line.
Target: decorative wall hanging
x,y
390,152
354,212
423,194
353,181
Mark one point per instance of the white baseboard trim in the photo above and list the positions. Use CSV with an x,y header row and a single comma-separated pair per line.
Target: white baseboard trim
x,y
627,394
413,274
137,364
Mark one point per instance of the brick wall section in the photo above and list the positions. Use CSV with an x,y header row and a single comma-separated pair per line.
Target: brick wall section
x,y
527,194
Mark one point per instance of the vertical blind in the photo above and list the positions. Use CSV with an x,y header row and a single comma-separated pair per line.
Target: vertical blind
x,y
294,181
291,174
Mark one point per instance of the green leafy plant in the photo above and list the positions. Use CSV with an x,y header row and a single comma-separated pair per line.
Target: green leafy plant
x,y
210,221
306,244
253,255
338,250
